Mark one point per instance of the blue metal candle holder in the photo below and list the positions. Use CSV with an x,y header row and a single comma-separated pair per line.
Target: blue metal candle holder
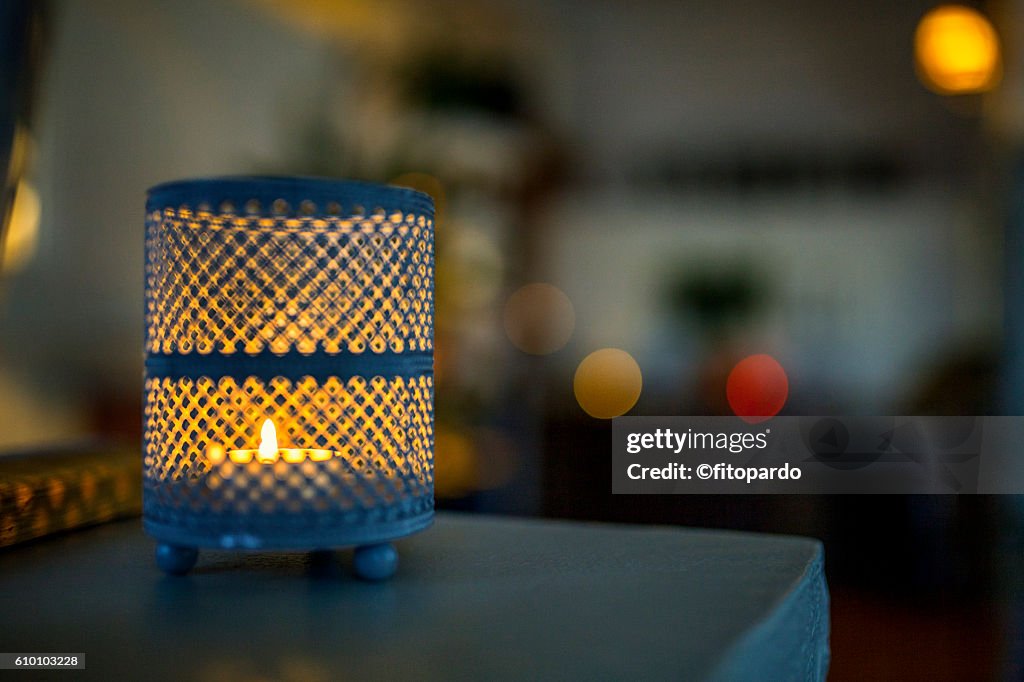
x,y
289,368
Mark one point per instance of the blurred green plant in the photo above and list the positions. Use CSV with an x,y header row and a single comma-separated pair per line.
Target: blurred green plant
x,y
717,297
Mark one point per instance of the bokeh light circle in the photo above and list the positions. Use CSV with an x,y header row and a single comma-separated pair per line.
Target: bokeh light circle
x,y
428,184
957,51
757,388
455,463
539,318
608,383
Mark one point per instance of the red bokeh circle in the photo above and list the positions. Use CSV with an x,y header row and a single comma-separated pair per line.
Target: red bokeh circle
x,y
757,388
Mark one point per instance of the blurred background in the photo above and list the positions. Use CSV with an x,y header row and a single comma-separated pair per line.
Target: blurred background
x,y
632,197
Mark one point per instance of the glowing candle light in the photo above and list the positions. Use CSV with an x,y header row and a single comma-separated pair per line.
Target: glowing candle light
x,y
268,442
269,451
289,367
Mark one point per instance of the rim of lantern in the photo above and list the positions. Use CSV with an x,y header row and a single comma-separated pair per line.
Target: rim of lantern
x,y
300,196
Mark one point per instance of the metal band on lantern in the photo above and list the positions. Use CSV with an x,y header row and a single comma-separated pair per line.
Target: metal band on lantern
x,y
289,367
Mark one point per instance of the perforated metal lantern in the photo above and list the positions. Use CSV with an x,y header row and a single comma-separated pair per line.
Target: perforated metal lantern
x,y
299,311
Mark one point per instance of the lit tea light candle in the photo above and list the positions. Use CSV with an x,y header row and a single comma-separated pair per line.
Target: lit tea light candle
x,y
269,452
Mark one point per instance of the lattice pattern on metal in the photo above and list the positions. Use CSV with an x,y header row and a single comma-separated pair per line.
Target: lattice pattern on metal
x,y
221,283
287,300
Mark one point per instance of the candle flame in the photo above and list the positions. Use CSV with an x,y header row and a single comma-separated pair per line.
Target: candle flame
x,y
268,442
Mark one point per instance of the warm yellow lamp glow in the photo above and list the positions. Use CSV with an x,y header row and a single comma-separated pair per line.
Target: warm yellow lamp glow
x,y
608,383
455,464
23,230
957,51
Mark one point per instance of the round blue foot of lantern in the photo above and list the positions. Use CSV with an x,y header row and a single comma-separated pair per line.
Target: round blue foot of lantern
x,y
375,562
176,560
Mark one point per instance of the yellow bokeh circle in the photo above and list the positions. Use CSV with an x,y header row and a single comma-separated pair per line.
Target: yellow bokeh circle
x,y
455,463
539,318
957,51
608,383
428,184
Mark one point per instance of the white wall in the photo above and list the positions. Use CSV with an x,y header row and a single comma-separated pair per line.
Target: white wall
x,y
865,292
134,93
140,92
